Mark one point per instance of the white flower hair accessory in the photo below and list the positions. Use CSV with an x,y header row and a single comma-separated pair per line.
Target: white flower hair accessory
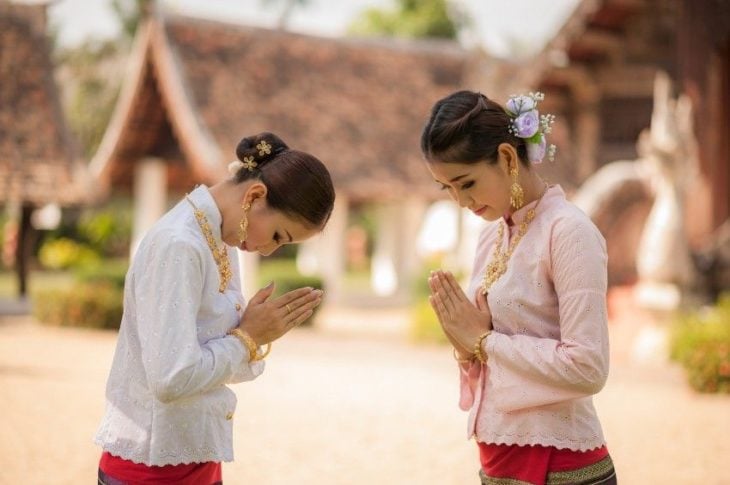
x,y
234,167
529,125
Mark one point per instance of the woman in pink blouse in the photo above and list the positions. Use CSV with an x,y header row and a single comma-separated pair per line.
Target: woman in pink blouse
x,y
530,334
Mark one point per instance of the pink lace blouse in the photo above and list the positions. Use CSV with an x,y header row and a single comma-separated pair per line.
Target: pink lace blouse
x,y
548,353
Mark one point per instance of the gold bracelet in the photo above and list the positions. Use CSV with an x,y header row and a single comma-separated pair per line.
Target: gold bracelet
x,y
250,344
461,361
478,352
266,352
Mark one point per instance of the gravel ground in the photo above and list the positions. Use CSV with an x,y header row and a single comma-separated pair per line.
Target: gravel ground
x,y
349,407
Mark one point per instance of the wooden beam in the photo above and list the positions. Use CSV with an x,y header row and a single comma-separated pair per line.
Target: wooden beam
x,y
601,43
627,81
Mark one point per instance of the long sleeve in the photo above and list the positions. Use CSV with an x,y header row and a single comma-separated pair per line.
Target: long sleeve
x,y
169,295
250,372
527,371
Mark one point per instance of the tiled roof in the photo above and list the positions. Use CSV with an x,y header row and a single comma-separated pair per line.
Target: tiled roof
x,y
358,105
36,160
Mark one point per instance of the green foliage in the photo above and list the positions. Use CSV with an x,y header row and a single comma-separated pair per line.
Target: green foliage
x,y
92,305
410,18
94,299
89,91
287,278
288,8
129,13
112,272
700,342
424,323
108,230
64,253
425,326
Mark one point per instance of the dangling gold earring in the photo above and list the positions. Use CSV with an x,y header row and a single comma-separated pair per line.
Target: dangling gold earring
x,y
516,194
243,225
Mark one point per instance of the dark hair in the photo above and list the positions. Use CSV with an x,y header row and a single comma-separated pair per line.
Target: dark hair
x,y
297,183
467,127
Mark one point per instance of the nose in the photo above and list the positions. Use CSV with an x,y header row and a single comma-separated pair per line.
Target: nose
x,y
462,199
269,249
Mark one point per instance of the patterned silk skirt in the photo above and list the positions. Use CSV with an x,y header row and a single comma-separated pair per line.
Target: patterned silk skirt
x,y
118,471
544,465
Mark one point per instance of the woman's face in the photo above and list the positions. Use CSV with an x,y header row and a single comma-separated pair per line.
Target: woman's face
x,y
481,187
268,229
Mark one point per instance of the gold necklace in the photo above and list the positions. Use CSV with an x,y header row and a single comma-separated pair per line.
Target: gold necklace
x,y
498,266
220,255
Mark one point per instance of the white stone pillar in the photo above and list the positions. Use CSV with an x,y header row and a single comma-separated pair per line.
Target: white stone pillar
x,y
249,272
150,197
383,273
395,260
411,215
331,250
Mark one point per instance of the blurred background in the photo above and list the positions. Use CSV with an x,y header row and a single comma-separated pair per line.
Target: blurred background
x,y
112,110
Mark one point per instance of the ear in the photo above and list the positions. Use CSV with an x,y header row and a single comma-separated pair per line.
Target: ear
x,y
256,190
507,157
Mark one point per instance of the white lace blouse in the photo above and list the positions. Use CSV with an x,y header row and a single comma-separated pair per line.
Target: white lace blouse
x,y
167,401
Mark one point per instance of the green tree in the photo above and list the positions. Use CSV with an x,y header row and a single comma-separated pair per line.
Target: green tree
x,y
409,18
129,14
287,10
91,74
90,89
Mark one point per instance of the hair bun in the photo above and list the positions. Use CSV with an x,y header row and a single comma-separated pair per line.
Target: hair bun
x,y
256,150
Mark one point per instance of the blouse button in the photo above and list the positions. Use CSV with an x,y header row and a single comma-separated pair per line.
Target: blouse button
x,y
229,416
238,307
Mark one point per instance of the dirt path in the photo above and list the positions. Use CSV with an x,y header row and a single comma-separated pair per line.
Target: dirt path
x,y
338,409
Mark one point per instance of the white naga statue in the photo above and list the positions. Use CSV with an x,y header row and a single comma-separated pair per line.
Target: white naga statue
x,y
666,166
668,152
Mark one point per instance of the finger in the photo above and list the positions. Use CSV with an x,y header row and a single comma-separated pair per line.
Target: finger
x,y
441,307
297,311
434,307
431,283
303,300
263,294
455,288
444,293
303,318
482,301
290,296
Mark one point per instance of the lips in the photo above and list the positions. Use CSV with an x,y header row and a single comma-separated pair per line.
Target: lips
x,y
480,211
243,246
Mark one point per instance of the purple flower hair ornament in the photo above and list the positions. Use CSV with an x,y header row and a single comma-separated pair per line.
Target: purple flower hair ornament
x,y
529,125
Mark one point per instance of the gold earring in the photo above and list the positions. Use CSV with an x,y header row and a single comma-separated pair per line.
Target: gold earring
x,y
516,194
243,225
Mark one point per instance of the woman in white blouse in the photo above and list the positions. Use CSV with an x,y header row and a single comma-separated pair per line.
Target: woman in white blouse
x,y
530,334
187,332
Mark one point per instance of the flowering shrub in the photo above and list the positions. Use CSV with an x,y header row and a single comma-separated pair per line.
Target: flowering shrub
x,y
64,253
92,305
700,341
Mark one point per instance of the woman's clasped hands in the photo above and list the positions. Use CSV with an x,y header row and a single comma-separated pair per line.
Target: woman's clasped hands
x,y
462,321
267,319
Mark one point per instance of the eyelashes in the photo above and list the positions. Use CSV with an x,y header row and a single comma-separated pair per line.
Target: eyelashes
x,y
466,186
